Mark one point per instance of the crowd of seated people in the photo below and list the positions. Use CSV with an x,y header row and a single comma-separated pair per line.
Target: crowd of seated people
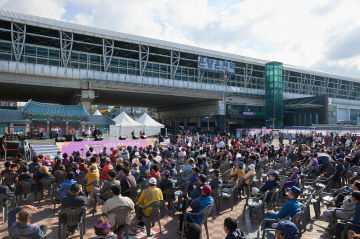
x,y
196,166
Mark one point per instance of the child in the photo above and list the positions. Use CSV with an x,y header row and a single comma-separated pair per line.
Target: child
x,y
102,229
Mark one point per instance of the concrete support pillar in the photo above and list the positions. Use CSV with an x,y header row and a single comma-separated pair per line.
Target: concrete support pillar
x,y
27,128
11,128
198,122
67,128
87,97
48,127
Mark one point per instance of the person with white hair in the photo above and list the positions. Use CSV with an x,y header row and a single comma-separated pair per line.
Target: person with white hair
x,y
250,172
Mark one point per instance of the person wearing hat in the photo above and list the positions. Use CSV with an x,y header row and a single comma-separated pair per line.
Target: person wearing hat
x,y
194,179
268,186
339,171
215,182
286,229
75,198
292,179
198,205
238,173
166,182
197,189
172,169
230,228
102,228
340,226
289,209
147,196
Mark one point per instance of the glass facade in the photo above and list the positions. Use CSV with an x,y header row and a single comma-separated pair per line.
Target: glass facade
x,y
274,94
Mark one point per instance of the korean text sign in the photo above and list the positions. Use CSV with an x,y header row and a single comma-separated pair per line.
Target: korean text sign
x,y
218,66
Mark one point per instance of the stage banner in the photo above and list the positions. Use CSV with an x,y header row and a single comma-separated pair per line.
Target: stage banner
x,y
83,146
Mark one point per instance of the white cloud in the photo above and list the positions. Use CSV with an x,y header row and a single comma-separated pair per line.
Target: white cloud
x,y
304,32
43,8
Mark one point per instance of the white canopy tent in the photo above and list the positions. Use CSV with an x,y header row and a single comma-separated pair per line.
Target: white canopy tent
x,y
150,126
97,112
124,125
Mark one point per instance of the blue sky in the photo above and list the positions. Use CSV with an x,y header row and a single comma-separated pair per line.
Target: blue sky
x,y
314,34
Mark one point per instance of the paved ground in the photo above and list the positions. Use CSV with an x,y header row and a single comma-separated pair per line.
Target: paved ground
x,y
169,223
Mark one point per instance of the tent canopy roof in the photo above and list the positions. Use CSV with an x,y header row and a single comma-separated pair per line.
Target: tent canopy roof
x,y
97,112
146,120
124,120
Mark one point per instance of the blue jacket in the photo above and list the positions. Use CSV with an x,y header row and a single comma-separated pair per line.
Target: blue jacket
x,y
356,218
64,185
269,185
196,192
203,202
290,208
215,183
29,230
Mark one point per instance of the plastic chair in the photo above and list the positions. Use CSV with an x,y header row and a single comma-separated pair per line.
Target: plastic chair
x,y
122,217
5,207
57,196
205,212
75,216
27,193
154,216
133,193
8,179
107,194
46,184
169,197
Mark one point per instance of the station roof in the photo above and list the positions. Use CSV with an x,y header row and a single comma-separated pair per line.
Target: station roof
x,y
108,34
33,107
11,116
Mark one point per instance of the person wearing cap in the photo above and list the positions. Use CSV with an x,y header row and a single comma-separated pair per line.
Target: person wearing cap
x,y
268,186
286,229
166,182
230,228
292,179
238,173
102,228
106,168
117,200
289,209
127,180
75,198
340,226
194,178
172,169
215,182
197,189
147,196
198,205
339,171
